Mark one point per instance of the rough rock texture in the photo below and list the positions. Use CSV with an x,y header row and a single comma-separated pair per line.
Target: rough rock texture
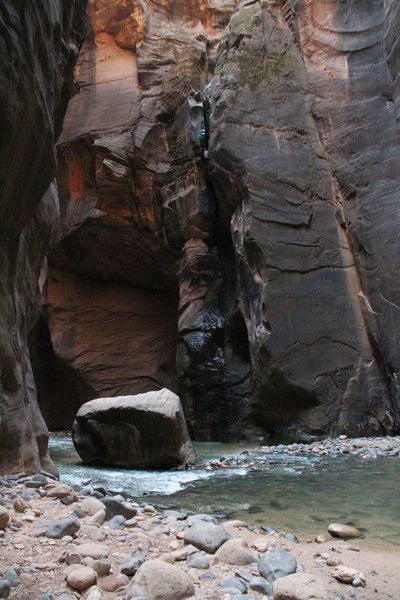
x,y
143,431
261,201
38,49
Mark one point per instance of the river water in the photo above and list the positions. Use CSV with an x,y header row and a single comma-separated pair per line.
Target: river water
x,y
297,494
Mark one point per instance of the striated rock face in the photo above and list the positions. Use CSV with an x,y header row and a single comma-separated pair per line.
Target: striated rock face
x,y
242,201
35,82
133,190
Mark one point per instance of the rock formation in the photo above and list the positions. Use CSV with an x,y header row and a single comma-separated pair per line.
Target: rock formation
x,y
38,49
229,217
146,431
248,182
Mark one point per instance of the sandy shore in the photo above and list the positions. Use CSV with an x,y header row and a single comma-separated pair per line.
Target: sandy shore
x,y
43,562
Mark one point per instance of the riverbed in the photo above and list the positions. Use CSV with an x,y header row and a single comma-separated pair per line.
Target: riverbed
x,y
293,493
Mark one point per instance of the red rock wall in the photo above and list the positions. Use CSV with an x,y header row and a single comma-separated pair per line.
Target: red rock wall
x,y
38,50
267,201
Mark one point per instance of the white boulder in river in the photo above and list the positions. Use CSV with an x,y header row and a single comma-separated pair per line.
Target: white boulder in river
x,y
146,431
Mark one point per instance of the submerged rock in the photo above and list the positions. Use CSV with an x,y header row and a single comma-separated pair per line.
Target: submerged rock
x,y
143,431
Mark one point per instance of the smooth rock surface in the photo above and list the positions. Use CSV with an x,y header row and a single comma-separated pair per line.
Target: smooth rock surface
x,y
157,580
338,530
276,563
235,552
81,578
143,431
206,536
299,586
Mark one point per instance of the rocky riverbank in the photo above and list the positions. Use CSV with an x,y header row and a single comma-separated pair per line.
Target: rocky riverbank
x,y
343,445
60,542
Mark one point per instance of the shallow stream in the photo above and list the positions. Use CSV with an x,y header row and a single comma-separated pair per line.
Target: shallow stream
x,y
297,494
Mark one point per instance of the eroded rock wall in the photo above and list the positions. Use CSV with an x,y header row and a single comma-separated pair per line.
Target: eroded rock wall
x,y
38,49
259,184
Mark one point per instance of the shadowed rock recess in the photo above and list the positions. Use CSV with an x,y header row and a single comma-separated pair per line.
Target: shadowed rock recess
x,y
229,218
38,49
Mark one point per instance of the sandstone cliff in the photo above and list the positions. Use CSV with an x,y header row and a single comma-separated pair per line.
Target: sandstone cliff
x,y
242,200
38,49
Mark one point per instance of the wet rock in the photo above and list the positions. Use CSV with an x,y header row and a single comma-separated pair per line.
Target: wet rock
x,y
81,578
62,527
153,433
299,586
206,536
132,562
198,561
158,580
116,507
112,583
276,563
235,552
338,530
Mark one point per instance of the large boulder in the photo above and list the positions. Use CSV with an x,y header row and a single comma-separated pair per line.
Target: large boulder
x,y
143,431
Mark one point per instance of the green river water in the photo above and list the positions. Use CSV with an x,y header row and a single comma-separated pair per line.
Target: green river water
x,y
301,495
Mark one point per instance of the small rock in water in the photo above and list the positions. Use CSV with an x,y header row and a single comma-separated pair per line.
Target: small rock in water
x,y
338,530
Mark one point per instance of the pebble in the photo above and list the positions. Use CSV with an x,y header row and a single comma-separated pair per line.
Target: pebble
x,y
112,583
235,552
347,574
20,505
81,578
5,588
198,561
4,517
93,550
276,563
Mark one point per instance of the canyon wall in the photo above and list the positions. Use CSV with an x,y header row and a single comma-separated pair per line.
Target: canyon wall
x,y
229,213
38,49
